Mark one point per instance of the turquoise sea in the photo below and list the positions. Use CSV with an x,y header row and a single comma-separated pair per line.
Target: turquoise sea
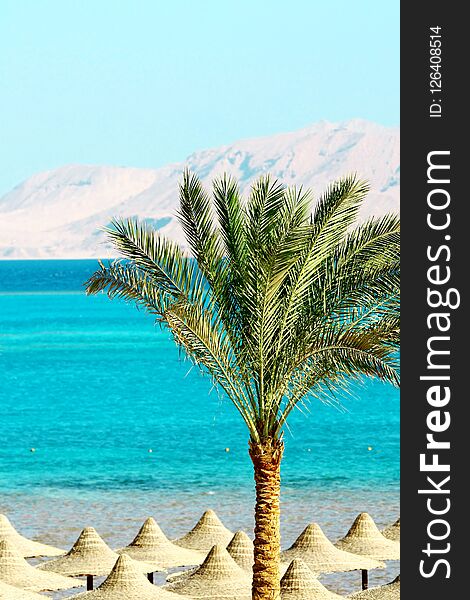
x,y
92,386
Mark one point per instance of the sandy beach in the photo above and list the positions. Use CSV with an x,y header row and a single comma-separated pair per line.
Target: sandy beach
x,y
118,526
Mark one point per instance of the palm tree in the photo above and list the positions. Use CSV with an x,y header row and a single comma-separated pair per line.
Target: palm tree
x,y
274,302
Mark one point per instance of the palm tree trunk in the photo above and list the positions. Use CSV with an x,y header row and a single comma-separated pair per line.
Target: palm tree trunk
x,y
266,459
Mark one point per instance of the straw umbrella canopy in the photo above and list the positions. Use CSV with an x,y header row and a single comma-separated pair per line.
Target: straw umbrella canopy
x,y
240,549
9,592
152,545
14,570
299,583
219,577
207,532
365,539
392,532
321,556
90,555
390,591
126,582
27,548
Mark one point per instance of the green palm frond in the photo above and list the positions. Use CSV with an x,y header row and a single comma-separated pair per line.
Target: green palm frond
x,y
276,303
209,347
158,257
198,221
127,282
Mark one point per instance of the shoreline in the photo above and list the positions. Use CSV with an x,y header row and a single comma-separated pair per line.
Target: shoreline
x,y
57,519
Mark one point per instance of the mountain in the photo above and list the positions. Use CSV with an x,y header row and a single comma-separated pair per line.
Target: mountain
x,y
59,213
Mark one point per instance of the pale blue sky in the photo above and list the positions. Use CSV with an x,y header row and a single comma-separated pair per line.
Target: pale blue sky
x,y
147,82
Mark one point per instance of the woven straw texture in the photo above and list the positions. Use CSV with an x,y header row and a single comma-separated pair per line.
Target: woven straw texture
x,y
126,582
8,592
240,549
392,532
391,591
15,571
219,577
27,548
90,555
365,539
299,583
207,532
151,545
321,556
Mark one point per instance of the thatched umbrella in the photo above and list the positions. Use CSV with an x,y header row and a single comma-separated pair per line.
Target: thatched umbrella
x,y
9,592
90,556
365,539
390,591
299,583
321,556
392,532
27,548
14,570
218,577
152,545
207,532
126,582
240,549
